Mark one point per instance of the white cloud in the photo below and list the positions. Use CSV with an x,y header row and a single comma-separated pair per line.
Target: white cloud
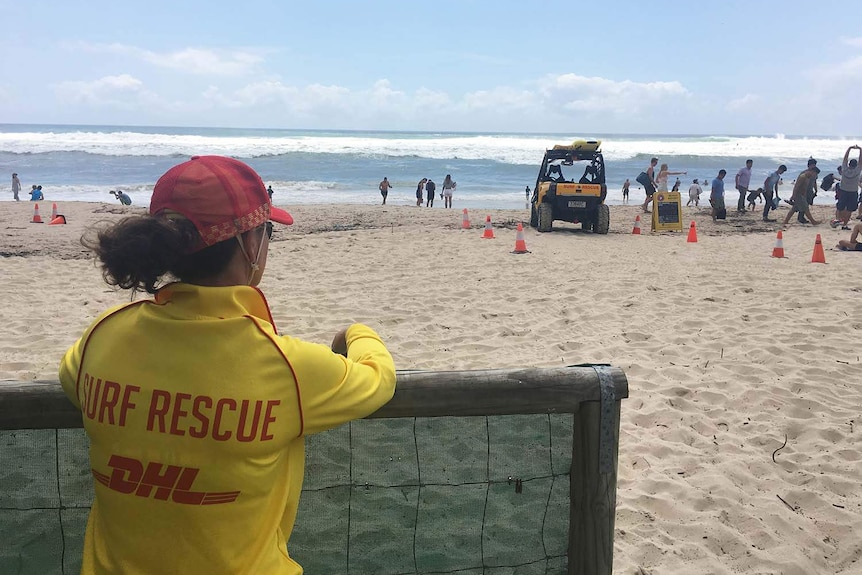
x,y
502,99
856,42
190,60
268,101
743,103
591,95
104,90
310,99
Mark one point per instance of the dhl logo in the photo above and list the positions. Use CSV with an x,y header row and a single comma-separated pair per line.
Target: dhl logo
x,y
162,482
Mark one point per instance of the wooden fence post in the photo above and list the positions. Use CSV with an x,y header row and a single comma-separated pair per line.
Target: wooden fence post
x,y
593,485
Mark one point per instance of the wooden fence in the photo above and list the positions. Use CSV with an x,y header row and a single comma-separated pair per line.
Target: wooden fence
x,y
591,393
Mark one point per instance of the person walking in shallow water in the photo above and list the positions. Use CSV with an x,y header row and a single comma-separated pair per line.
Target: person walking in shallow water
x,y
384,189
419,188
448,188
626,186
16,187
430,188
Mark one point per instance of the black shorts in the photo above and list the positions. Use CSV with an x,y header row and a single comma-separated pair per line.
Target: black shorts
x,y
847,201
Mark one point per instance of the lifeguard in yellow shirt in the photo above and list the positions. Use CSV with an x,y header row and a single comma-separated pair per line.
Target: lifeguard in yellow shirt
x,y
196,439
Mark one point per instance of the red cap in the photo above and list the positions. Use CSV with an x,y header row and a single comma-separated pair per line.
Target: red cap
x,y
221,196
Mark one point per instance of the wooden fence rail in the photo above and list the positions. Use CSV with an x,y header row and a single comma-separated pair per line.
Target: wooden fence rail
x,y
591,393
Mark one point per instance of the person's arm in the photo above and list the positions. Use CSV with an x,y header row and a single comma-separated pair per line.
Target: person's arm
x,y
736,179
676,173
353,384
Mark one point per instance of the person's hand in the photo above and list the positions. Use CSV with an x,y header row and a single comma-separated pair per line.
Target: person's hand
x,y
339,343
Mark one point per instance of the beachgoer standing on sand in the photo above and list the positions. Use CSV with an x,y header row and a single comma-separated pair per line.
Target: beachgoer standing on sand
x,y
661,178
647,180
16,187
430,188
743,179
626,186
36,194
269,192
800,191
448,188
694,191
384,189
848,188
811,193
770,187
716,194
197,439
419,188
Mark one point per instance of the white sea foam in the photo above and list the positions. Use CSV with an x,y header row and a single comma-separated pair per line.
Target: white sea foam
x,y
507,149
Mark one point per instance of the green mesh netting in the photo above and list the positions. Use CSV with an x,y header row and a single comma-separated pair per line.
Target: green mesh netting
x,y
465,495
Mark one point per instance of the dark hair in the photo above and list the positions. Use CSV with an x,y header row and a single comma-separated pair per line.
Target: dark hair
x,y
144,253
782,167
853,163
720,172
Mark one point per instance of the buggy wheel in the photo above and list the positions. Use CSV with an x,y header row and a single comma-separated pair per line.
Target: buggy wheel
x,y
603,219
546,217
534,216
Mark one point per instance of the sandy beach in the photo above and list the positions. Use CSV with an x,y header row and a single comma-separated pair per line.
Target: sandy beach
x,y
728,351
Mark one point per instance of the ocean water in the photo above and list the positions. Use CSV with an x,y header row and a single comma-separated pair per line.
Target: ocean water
x,y
83,163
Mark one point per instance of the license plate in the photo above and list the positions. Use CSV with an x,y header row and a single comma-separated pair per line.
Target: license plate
x,y
577,204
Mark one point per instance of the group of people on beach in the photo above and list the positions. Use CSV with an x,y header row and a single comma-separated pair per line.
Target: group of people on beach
x,y
36,194
845,184
425,191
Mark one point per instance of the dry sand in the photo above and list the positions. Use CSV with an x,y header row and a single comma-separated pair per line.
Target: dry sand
x,y
728,351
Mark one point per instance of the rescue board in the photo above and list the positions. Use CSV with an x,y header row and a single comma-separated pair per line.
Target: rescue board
x,y
581,146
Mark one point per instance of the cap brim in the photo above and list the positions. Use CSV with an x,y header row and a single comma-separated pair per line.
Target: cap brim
x,y
280,216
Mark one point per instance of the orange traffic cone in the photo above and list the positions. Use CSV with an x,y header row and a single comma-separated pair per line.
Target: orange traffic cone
x,y
818,257
692,233
465,221
778,250
58,219
637,229
54,212
520,244
488,234
37,219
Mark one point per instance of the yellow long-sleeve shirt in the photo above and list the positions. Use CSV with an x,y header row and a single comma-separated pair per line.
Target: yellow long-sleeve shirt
x,y
196,411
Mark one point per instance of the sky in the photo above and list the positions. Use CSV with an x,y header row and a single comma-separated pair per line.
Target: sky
x,y
753,67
